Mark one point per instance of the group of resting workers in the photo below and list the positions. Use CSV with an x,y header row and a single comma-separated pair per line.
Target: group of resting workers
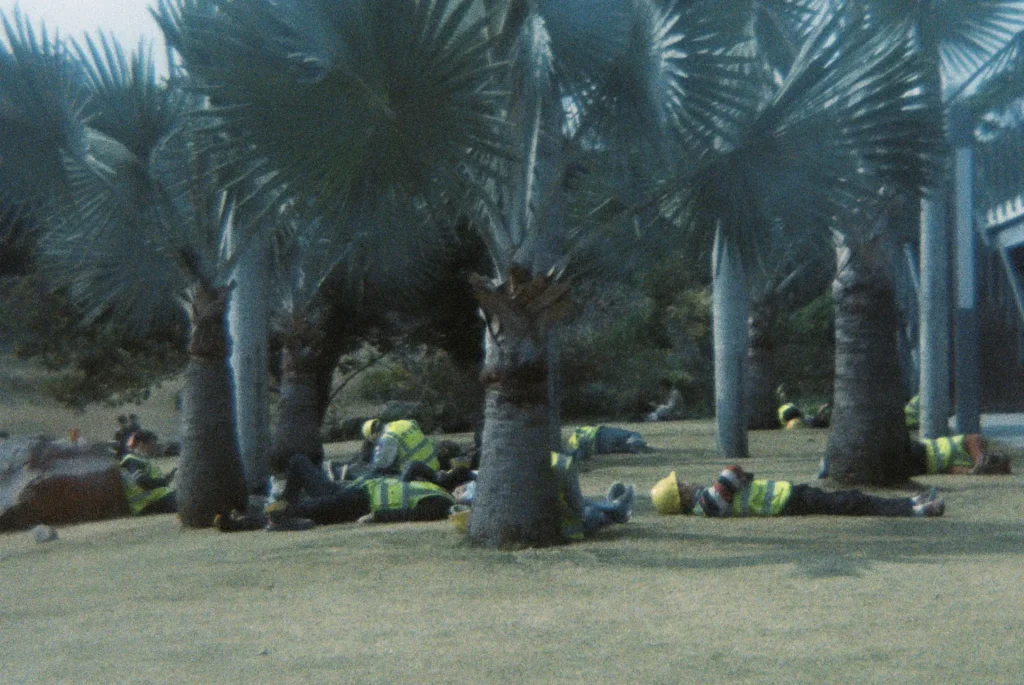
x,y
405,476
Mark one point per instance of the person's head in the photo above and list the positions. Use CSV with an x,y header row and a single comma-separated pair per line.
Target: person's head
x,y
671,496
449,455
143,442
122,420
372,429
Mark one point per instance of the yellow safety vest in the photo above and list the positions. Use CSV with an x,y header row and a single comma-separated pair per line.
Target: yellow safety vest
x,y
944,453
762,498
583,441
393,494
138,497
413,445
912,412
570,521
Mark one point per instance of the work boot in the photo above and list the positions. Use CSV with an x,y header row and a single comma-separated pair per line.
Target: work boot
x,y
616,491
235,521
280,520
635,444
623,503
935,507
924,497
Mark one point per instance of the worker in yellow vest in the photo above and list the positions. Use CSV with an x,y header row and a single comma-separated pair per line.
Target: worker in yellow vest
x,y
146,487
396,444
737,493
309,497
792,417
969,454
587,441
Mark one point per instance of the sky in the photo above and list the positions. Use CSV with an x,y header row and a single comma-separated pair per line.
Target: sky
x,y
128,20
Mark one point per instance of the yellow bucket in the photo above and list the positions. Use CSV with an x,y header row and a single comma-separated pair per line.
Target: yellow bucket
x,y
459,516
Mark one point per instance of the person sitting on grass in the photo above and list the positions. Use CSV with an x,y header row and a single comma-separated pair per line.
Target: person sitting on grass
x,y
970,454
310,497
586,441
737,493
396,444
671,406
580,516
146,487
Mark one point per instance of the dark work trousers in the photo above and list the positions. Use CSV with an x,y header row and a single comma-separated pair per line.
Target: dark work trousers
x,y
311,494
806,500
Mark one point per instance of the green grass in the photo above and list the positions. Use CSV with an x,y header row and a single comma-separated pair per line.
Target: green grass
x,y
658,600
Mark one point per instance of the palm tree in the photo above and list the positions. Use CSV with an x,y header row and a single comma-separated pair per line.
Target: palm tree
x,y
136,226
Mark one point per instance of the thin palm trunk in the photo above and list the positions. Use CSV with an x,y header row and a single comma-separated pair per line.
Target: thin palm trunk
x,y
934,318
297,427
869,443
210,479
248,322
730,305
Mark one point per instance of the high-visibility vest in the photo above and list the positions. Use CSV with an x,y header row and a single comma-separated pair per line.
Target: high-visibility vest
x,y
571,522
942,454
413,445
912,412
788,412
138,497
762,498
394,494
583,441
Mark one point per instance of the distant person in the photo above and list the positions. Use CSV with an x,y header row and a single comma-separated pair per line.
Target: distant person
x,y
147,489
586,441
792,417
127,426
970,454
737,493
912,412
671,406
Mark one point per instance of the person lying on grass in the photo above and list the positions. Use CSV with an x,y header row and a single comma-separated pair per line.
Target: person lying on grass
x,y
587,441
970,454
310,497
737,493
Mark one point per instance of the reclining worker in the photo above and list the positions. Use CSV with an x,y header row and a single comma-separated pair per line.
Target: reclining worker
x,y
146,487
971,454
579,516
587,441
792,417
396,444
310,497
737,493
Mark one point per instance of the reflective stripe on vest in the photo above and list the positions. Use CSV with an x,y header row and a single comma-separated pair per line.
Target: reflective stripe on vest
x,y
392,494
138,497
762,498
570,523
945,453
584,439
413,445
787,412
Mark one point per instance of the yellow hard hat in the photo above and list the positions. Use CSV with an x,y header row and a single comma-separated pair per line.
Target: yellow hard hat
x,y
665,495
788,412
370,428
793,424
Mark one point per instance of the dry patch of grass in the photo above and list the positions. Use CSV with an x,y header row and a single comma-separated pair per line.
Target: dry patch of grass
x,y
659,600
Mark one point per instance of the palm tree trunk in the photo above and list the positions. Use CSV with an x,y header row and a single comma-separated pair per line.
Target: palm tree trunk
x,y
730,304
517,502
869,443
762,369
210,479
934,317
248,323
297,427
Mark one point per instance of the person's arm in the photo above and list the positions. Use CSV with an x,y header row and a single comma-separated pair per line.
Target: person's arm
x,y
385,454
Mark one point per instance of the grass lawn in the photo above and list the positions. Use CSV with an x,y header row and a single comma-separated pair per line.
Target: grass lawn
x,y
658,600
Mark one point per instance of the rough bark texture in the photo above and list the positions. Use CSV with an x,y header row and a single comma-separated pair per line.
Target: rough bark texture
x,y
762,369
210,479
297,428
869,443
730,307
54,483
517,502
